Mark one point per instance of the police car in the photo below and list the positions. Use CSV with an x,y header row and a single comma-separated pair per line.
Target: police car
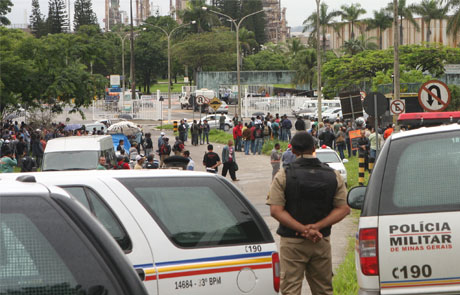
x,y
50,244
330,157
184,232
409,231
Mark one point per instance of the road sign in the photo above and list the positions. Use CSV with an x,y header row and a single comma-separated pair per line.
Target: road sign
x,y
200,99
382,104
215,103
434,96
115,80
397,107
351,104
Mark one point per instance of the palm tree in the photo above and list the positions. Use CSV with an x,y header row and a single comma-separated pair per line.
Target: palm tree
x,y
404,12
382,20
325,20
354,46
248,41
295,46
194,12
305,67
429,10
453,24
351,14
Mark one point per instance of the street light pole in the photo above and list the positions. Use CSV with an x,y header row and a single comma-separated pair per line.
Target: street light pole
x,y
133,80
238,58
396,82
168,35
318,61
123,66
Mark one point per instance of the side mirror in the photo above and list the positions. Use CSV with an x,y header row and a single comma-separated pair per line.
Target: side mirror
x,y
345,161
355,198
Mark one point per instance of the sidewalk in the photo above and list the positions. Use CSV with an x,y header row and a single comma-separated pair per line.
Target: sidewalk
x,y
255,174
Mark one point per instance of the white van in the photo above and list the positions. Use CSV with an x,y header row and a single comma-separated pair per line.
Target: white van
x,y
184,232
78,152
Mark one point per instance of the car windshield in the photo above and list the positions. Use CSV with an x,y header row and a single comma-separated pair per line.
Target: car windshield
x,y
78,160
328,157
197,212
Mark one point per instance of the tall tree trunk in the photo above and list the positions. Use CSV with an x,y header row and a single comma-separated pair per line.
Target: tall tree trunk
x,y
380,38
428,31
401,30
324,41
352,30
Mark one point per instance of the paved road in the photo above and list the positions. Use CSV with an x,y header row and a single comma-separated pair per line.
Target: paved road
x,y
255,178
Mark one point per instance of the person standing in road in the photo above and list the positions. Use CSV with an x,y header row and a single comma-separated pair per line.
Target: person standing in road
x,y
28,163
300,124
229,160
275,159
101,164
363,148
165,151
211,160
288,156
340,142
200,131
286,127
182,131
247,138
195,129
160,140
151,162
237,136
373,143
259,138
222,122
148,144
139,162
187,127
206,129
307,198
191,163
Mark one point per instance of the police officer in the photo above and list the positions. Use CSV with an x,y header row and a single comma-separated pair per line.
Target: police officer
x,y
307,197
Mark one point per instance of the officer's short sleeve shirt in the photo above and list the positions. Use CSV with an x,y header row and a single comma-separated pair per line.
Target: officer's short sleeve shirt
x,y
276,194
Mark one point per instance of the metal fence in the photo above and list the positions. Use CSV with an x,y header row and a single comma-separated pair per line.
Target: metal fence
x,y
142,109
277,104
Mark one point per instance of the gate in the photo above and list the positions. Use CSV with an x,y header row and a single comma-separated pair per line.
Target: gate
x,y
275,105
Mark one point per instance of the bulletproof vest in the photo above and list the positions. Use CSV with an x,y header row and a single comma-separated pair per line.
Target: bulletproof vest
x,y
310,189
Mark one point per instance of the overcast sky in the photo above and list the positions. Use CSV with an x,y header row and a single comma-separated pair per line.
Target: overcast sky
x,y
297,10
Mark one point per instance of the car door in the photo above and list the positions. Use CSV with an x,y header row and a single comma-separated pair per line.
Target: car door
x,y
419,213
206,239
105,205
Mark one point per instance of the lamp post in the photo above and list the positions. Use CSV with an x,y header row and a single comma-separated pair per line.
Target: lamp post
x,y
318,61
238,59
168,35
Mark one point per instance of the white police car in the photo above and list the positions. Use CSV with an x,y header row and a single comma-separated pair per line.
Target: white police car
x,y
184,232
409,231
49,244
331,158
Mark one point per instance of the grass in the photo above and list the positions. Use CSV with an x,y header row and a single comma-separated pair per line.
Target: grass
x,y
269,145
345,281
352,171
164,87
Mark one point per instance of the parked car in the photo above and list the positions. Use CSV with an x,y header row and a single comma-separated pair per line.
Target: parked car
x,y
332,159
184,232
50,244
332,114
213,121
408,233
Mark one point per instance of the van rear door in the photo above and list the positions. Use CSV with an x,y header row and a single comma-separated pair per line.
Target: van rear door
x,y
419,214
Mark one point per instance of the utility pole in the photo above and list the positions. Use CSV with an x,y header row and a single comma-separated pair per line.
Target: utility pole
x,y
318,61
132,73
396,54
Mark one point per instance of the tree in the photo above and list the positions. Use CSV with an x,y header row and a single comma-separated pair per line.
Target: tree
x,y
404,12
57,18
304,63
430,10
266,60
248,42
208,51
382,20
351,14
194,12
360,44
37,20
295,46
5,8
325,20
84,14
453,24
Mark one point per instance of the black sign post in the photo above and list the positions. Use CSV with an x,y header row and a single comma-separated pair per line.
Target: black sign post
x,y
376,104
351,104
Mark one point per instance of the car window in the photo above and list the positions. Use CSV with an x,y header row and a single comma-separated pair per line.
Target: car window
x,y
328,157
422,174
196,212
79,194
103,213
40,253
70,160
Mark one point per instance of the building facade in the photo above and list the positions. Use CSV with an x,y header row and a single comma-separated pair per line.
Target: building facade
x,y
276,27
